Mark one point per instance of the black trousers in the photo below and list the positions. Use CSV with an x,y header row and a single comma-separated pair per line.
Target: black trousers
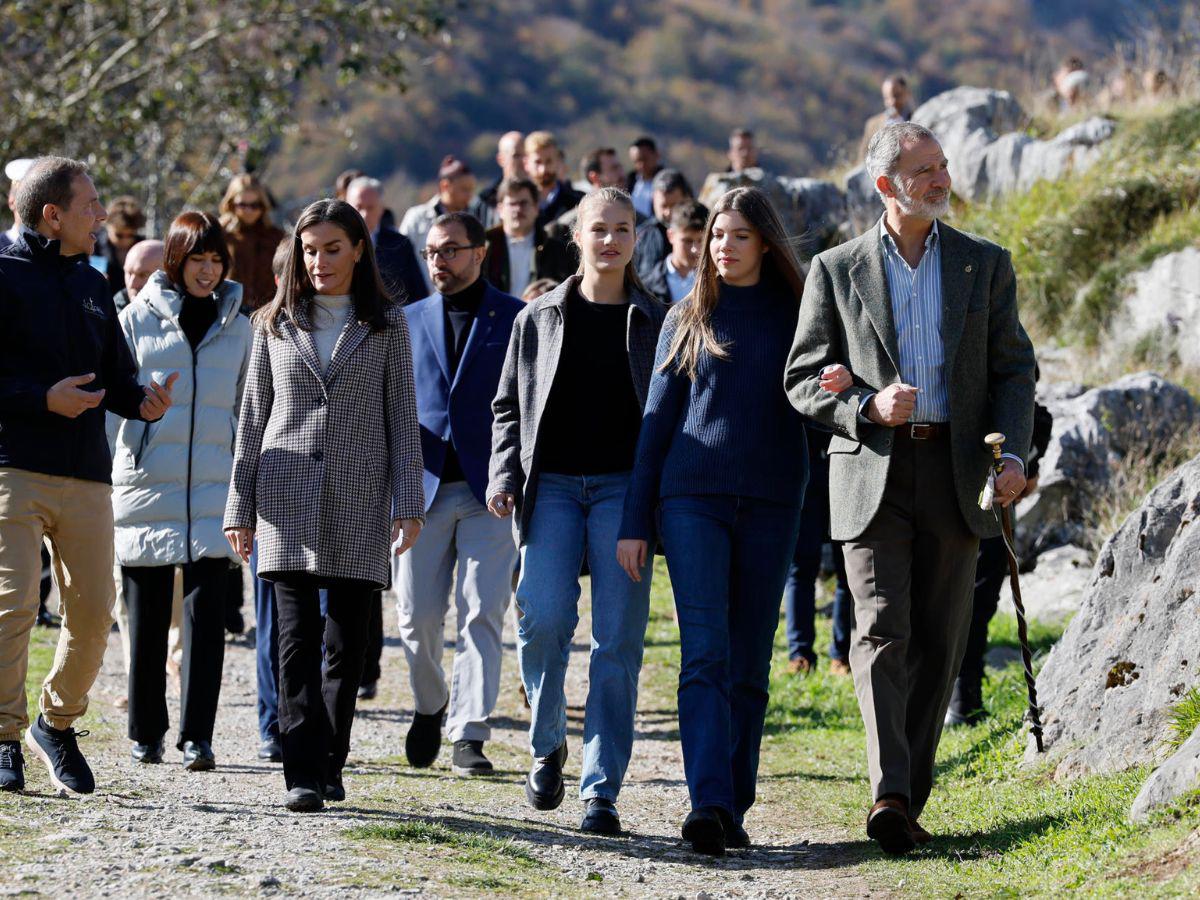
x,y
316,704
148,591
374,652
990,572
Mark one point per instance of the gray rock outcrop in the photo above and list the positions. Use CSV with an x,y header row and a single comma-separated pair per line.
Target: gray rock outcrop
x,y
1170,781
1159,317
1134,647
1096,435
863,203
1053,591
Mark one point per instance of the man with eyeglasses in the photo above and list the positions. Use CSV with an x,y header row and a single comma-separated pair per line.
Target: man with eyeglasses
x,y
518,250
459,344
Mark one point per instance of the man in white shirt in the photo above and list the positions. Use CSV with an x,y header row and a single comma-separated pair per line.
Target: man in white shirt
x,y
519,252
672,279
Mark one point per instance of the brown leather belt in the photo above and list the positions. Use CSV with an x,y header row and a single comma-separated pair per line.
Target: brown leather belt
x,y
927,431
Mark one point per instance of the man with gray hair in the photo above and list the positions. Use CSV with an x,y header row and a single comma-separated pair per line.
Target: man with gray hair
x,y
394,253
63,362
927,316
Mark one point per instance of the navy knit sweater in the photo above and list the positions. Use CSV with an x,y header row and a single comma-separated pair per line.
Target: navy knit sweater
x,y
732,431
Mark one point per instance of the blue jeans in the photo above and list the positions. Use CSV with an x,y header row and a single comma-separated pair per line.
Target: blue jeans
x,y
728,557
266,650
576,516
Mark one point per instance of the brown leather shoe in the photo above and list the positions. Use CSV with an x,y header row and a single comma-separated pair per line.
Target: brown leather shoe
x,y
839,667
920,835
799,666
888,825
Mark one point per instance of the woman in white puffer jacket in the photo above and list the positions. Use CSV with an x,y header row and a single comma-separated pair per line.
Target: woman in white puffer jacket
x,y
171,479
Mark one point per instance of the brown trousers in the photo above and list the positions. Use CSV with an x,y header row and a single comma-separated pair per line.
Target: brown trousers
x,y
911,572
77,517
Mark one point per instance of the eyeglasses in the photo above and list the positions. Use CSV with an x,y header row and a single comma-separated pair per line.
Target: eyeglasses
x,y
254,205
447,253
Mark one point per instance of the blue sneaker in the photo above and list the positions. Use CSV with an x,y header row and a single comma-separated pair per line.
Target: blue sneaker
x,y
12,766
59,750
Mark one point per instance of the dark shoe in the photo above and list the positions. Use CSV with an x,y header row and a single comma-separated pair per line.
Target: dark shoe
x,y
966,703
147,753
424,738
544,788
270,750
367,690
198,756
735,835
704,831
12,766
235,623
887,825
59,750
303,799
600,817
335,792
47,619
920,835
468,759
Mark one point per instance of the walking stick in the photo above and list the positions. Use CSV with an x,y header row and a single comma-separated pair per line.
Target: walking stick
x,y
1003,513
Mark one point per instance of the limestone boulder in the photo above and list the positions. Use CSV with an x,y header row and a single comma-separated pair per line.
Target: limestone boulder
x,y
1053,591
1159,316
1133,649
863,204
1179,775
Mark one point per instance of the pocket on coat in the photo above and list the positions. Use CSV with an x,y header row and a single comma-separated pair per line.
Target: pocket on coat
x,y
839,444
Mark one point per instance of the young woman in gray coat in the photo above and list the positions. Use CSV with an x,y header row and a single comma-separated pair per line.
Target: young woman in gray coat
x,y
327,475
170,481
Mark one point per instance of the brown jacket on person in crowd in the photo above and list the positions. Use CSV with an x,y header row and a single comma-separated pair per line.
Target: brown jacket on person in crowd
x,y
250,251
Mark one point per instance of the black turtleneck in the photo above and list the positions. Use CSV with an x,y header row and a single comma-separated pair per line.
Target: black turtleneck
x,y
196,316
459,311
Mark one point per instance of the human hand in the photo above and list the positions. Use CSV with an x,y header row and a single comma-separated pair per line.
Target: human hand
x,y
241,540
158,399
502,505
893,405
66,399
836,378
404,534
1010,482
631,554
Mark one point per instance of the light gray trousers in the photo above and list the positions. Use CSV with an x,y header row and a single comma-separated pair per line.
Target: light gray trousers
x,y
465,550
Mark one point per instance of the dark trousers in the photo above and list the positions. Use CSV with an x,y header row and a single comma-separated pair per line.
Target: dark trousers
x,y
990,572
728,557
316,703
47,581
910,572
371,668
148,591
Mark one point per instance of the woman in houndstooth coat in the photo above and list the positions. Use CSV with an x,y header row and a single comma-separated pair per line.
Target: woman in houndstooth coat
x,y
327,474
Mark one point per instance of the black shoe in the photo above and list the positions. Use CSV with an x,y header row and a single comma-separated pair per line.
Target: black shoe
x,y
47,619
424,738
704,831
735,835
147,753
59,750
335,791
12,766
600,816
303,799
198,756
270,750
544,787
367,690
966,703
468,759
235,623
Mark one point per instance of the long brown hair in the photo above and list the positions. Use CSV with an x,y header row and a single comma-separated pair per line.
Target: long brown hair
x,y
694,334
597,198
237,185
296,291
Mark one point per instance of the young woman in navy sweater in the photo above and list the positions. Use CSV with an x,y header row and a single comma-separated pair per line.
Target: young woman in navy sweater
x,y
722,460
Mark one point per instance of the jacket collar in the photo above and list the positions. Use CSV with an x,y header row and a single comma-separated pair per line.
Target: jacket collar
x,y
45,250
164,300
557,298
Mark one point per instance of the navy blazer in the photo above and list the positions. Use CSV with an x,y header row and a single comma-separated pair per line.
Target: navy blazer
x,y
459,410
398,265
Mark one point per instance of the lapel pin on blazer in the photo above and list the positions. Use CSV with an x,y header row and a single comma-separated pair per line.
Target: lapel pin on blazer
x,y
969,267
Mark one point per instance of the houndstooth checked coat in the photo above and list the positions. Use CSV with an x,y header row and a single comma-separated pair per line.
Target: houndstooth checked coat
x,y
533,354
324,463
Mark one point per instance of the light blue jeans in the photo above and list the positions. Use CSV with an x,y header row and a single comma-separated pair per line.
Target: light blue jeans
x,y
574,516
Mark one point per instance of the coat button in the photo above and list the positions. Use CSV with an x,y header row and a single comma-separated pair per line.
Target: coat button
x,y
320,401
318,456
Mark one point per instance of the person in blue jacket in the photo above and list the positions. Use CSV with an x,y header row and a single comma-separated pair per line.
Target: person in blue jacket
x,y
722,461
459,339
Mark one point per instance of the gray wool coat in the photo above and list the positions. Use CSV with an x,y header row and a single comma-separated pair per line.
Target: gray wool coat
x,y
529,369
846,317
325,461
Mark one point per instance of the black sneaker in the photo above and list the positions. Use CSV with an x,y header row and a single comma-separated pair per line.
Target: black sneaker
x,y
468,759
704,831
59,750
544,788
600,817
367,690
147,753
12,766
198,756
424,739
270,750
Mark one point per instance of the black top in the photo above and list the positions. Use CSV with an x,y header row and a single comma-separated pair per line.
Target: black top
x,y
592,417
196,317
458,313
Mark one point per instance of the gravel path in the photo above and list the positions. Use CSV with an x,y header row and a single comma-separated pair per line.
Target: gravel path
x,y
157,830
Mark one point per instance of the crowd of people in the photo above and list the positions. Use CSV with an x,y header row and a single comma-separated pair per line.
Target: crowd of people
x,y
477,402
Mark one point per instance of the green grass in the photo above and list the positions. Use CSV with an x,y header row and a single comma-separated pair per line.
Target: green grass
x,y
1185,718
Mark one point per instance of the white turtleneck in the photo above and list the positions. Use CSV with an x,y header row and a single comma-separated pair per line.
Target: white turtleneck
x,y
329,314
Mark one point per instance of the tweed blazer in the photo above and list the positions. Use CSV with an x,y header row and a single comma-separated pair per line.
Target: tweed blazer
x,y
534,351
846,317
324,461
